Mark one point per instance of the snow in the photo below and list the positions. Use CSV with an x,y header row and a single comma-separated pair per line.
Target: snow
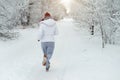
x,y
77,55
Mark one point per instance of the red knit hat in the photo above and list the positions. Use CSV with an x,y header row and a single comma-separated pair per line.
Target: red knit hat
x,y
47,14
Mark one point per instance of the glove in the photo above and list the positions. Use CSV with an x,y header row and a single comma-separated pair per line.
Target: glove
x,y
38,40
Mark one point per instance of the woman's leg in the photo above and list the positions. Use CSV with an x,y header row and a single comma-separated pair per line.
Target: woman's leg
x,y
50,49
44,49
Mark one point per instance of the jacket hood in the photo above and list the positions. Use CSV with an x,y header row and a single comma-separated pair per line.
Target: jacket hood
x,y
49,22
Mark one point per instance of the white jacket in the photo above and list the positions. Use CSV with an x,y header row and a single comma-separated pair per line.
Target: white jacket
x,y
47,30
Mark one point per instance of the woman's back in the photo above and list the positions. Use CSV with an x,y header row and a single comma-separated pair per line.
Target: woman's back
x,y
49,30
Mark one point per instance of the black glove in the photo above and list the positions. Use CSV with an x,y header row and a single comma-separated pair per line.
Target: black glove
x,y
38,40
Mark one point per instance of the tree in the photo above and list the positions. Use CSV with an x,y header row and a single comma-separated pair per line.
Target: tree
x,y
112,24
39,7
102,14
9,17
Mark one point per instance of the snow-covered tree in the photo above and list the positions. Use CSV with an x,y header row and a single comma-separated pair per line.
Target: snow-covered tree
x,y
10,16
39,7
111,21
102,14
36,10
25,12
57,9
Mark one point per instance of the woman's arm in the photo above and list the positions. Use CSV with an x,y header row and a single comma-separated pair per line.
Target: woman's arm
x,y
40,33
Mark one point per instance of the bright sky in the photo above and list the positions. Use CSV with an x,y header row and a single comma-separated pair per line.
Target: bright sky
x,y
66,3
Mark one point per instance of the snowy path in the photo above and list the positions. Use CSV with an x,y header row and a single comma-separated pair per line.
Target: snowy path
x,y
77,56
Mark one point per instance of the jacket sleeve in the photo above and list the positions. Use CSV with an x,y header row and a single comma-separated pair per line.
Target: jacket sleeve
x,y
56,30
40,32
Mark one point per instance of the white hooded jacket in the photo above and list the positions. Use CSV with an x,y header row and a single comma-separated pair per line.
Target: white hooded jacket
x,y
47,30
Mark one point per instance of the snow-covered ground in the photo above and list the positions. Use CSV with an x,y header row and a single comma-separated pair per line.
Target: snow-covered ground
x,y
77,56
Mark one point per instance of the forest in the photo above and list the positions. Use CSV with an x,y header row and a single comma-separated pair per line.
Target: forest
x,y
100,15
